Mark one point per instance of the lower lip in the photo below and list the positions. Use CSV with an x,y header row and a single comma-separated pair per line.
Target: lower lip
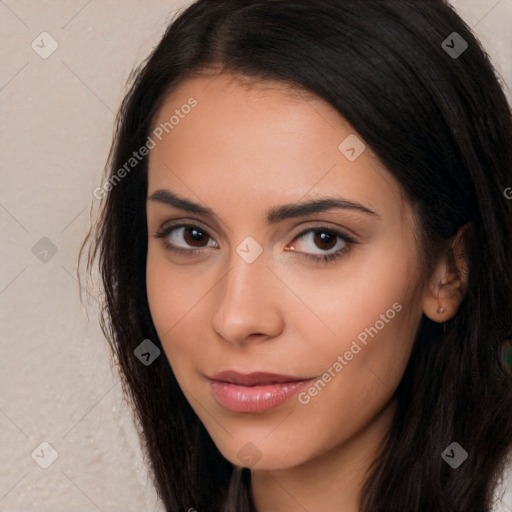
x,y
254,398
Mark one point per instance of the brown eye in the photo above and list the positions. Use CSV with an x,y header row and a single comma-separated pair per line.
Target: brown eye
x,y
193,236
324,240
321,240
185,238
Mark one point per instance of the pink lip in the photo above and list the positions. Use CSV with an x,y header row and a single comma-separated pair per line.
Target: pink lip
x,y
254,392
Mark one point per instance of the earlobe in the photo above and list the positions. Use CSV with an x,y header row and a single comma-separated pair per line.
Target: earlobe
x,y
448,283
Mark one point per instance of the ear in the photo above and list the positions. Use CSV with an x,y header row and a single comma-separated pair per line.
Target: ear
x,y
447,285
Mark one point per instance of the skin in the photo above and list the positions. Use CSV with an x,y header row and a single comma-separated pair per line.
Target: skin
x,y
244,149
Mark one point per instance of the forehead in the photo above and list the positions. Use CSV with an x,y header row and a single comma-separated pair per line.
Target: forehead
x,y
264,139
236,98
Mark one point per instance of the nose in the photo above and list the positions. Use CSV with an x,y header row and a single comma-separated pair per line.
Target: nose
x,y
248,303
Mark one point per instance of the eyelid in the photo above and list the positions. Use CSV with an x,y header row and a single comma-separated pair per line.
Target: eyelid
x,y
166,228
189,223
325,227
323,224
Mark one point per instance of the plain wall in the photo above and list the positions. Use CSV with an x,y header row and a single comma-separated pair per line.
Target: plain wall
x,y
57,119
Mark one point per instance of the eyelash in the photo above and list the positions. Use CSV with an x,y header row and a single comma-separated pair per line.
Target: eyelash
x,y
163,233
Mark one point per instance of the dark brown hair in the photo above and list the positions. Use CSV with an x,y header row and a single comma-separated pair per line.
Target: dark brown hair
x,y
442,126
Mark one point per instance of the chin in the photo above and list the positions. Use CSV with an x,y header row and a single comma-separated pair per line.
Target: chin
x,y
262,454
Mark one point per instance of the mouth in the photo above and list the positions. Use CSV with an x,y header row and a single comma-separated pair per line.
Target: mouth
x,y
254,392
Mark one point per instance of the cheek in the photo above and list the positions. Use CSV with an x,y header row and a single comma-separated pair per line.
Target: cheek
x,y
369,295
176,297
357,379
369,316
167,297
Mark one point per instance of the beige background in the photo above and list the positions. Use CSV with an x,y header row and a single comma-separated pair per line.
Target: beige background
x,y
57,113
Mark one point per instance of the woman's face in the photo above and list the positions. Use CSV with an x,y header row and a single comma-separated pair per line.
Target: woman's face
x,y
255,299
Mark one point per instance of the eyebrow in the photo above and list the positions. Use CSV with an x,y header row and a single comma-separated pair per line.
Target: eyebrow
x,y
274,215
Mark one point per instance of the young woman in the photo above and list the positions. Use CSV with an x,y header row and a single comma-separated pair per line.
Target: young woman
x,y
304,242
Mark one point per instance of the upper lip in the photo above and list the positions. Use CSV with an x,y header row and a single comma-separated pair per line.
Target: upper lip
x,y
254,378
